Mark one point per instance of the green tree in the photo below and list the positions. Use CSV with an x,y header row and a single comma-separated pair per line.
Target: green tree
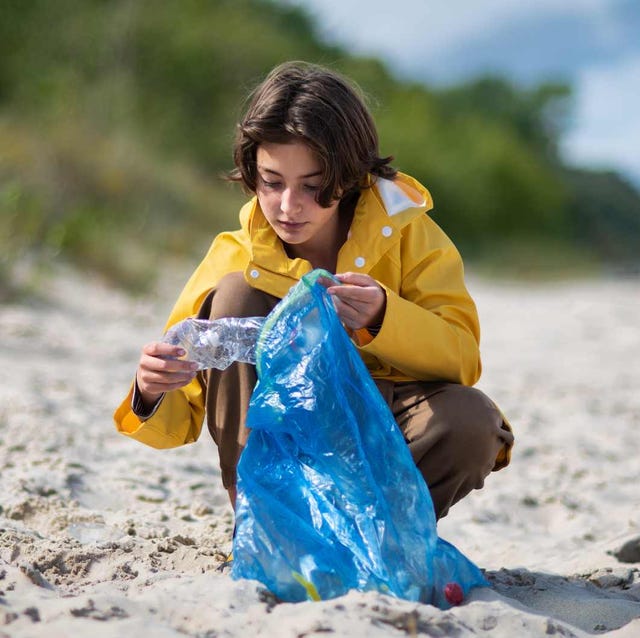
x,y
117,118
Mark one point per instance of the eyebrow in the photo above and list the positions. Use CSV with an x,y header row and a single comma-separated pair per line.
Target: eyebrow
x,y
273,172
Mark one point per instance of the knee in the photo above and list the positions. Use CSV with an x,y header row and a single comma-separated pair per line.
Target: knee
x,y
474,421
234,297
463,426
473,427
457,442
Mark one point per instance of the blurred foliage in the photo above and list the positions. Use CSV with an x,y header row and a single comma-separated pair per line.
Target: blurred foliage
x,y
536,116
117,117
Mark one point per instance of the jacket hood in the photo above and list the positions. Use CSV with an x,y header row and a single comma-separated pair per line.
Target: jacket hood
x,y
403,197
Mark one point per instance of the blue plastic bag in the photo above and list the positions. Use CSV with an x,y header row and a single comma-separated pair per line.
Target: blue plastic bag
x,y
329,498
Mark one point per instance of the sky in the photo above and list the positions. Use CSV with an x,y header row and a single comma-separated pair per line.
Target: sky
x,y
594,45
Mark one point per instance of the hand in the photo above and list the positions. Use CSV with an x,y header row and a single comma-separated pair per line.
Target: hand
x,y
160,370
360,302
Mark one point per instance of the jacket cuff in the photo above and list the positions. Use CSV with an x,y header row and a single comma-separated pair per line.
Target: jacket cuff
x,y
138,407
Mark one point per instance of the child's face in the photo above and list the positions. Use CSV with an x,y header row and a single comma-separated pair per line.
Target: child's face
x,y
289,177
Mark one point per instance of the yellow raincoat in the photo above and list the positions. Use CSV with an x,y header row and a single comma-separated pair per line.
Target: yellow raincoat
x,y
430,330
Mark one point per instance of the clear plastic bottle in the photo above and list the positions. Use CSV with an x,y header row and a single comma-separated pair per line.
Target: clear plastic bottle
x,y
216,343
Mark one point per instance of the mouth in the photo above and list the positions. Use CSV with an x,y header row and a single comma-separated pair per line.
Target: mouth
x,y
291,225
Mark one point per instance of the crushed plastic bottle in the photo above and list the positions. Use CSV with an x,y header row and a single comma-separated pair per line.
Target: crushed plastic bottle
x,y
216,343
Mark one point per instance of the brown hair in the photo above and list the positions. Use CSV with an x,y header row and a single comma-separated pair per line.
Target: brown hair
x,y
299,101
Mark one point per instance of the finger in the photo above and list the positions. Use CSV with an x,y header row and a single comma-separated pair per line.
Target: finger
x,y
327,282
348,315
166,376
167,365
357,296
163,349
362,308
156,383
344,308
356,279
164,367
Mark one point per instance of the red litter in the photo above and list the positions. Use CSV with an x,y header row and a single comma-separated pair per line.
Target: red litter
x,y
453,593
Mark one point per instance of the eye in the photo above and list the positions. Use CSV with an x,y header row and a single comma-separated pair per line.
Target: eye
x,y
311,188
270,185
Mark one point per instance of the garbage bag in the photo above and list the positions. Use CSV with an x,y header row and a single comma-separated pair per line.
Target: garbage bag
x,y
329,498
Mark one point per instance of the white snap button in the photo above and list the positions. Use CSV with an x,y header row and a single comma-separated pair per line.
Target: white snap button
x,y
386,231
254,273
359,262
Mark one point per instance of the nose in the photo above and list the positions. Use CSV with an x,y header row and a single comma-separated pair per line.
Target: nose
x,y
289,202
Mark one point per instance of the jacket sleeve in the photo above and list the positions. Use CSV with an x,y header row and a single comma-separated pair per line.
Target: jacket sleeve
x,y
176,421
430,330
179,416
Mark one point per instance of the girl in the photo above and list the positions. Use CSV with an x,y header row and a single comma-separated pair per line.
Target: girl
x,y
323,197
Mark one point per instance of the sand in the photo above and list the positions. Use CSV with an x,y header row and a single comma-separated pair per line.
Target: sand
x,y
101,536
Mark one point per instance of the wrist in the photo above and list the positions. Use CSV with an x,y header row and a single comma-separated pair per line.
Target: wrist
x,y
145,402
375,324
373,330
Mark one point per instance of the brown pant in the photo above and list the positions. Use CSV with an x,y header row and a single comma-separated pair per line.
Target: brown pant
x,y
455,433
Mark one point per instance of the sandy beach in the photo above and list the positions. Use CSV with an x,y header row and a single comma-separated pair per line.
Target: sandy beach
x,y
101,536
